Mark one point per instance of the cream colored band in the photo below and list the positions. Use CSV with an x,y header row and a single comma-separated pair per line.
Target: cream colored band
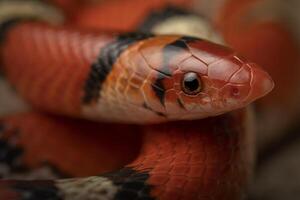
x,y
12,9
191,25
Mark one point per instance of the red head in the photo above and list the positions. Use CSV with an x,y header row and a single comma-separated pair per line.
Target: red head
x,y
164,78
198,79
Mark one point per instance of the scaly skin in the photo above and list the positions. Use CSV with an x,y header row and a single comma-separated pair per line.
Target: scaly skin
x,y
185,160
144,80
205,159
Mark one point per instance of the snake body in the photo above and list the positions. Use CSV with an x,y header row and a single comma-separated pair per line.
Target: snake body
x,y
136,78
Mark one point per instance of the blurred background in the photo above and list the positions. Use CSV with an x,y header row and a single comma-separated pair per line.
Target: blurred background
x,y
265,31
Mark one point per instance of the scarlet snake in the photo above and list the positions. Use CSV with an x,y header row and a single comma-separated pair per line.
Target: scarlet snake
x,y
139,79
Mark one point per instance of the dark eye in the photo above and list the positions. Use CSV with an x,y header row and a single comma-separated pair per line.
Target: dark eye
x,y
191,83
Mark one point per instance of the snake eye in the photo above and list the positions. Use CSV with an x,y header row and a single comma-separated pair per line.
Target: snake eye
x,y
191,83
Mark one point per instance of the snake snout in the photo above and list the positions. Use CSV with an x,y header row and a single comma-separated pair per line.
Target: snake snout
x,y
261,83
248,84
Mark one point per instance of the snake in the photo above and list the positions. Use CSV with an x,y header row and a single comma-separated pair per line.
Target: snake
x,y
184,96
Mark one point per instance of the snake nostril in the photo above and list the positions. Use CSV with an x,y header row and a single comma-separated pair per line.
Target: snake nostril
x,y
235,92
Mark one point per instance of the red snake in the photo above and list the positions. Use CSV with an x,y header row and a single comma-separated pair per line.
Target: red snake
x,y
128,78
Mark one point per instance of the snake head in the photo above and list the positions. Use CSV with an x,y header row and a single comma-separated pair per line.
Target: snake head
x,y
202,79
215,80
170,77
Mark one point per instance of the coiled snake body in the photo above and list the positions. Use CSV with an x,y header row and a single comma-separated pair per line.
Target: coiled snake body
x,y
132,78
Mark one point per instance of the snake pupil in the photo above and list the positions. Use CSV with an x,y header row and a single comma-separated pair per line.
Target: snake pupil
x,y
191,83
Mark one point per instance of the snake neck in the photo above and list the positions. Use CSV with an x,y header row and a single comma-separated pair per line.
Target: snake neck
x,y
179,157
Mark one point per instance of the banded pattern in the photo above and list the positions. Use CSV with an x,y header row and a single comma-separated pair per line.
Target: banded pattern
x,y
124,184
144,79
158,16
137,76
68,55
108,56
138,79
13,156
34,190
20,10
172,164
172,19
10,153
131,184
169,51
